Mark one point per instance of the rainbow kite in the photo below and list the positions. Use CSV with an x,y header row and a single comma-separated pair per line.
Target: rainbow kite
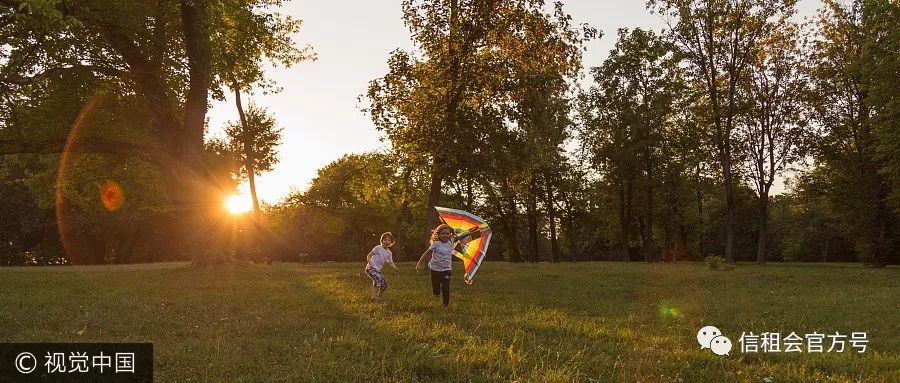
x,y
472,245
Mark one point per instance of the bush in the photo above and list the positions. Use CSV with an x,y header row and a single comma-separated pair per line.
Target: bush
x,y
713,262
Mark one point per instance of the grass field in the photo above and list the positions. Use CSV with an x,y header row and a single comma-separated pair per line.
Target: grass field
x,y
532,322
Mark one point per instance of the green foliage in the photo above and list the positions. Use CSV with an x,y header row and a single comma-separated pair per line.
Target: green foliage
x,y
880,58
23,223
478,116
713,261
70,184
855,117
814,227
718,39
255,144
124,86
627,118
245,34
222,158
481,107
347,206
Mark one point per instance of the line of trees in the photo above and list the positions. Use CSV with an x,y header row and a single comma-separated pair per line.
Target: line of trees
x,y
670,153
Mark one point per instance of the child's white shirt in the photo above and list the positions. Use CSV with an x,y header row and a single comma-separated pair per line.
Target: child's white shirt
x,y
380,255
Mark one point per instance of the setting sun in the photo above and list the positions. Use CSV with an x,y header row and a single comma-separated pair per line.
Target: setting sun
x,y
238,204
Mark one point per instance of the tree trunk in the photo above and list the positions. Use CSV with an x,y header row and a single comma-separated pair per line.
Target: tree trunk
x,y
196,189
625,196
699,190
403,215
531,213
667,242
681,245
470,194
551,216
251,180
731,215
763,229
437,176
882,245
511,225
247,148
647,235
642,231
568,227
434,197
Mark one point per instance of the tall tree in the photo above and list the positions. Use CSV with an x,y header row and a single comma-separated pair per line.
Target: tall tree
x,y
881,58
627,111
245,37
543,61
138,53
846,113
611,146
718,38
255,140
441,105
447,33
160,52
775,125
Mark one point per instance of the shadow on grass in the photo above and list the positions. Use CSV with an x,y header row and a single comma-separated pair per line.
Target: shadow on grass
x,y
474,340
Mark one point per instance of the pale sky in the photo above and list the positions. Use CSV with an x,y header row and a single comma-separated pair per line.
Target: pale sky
x,y
318,107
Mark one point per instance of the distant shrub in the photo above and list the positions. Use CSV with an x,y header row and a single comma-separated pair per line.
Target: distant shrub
x,y
713,262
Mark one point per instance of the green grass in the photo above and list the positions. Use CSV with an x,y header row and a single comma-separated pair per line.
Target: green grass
x,y
531,322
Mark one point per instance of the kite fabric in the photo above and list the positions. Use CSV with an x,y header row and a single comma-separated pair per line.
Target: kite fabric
x,y
471,248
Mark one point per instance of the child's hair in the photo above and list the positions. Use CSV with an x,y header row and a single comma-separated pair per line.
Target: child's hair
x,y
437,231
389,235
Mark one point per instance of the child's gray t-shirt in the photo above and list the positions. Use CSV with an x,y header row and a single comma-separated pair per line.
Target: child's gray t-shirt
x,y
442,255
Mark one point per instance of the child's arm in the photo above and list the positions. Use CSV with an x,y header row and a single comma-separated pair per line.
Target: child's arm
x,y
393,265
427,253
369,257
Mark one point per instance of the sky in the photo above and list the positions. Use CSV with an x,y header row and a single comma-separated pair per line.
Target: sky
x,y
319,107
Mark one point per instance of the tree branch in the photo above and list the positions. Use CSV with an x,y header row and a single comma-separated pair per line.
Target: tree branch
x,y
96,146
55,72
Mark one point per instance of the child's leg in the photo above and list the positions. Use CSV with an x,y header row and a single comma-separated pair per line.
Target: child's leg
x,y
378,283
436,278
445,287
383,286
374,277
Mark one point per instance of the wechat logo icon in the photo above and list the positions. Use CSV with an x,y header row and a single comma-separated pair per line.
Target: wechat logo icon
x,y
712,338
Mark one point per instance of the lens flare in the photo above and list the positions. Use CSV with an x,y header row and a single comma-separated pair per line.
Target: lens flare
x,y
667,310
111,196
238,204
62,207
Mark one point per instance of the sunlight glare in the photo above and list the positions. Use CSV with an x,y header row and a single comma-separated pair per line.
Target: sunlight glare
x,y
238,204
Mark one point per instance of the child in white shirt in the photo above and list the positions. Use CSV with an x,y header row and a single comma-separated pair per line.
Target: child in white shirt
x,y
376,259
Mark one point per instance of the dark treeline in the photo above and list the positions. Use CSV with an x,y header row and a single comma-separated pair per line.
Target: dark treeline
x,y
670,150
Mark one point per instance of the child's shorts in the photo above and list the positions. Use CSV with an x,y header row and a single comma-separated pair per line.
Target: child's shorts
x,y
377,278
